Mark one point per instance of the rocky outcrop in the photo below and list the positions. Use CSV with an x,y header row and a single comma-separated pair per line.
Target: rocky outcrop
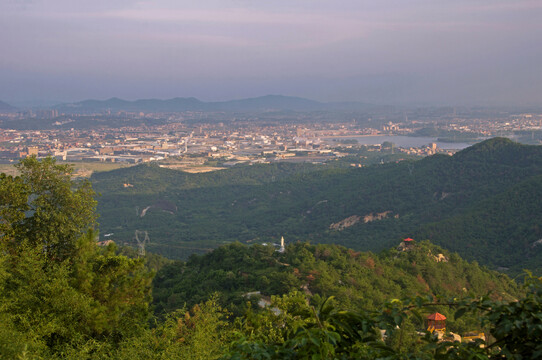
x,y
375,216
345,223
405,246
440,258
354,219
441,195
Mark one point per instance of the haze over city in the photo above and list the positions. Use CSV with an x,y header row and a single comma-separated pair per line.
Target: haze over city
x,y
386,52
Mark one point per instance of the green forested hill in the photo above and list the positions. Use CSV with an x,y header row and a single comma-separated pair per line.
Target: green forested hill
x,y
64,297
475,202
358,280
502,229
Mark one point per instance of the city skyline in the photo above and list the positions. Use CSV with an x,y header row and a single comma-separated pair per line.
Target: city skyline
x,y
390,52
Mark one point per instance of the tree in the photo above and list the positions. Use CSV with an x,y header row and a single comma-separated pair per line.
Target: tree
x,y
45,207
59,290
13,205
202,333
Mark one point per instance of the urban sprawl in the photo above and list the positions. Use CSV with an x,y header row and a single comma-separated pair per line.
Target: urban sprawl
x,y
202,141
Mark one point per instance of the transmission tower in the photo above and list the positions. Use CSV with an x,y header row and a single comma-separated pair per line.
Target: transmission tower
x,y
141,242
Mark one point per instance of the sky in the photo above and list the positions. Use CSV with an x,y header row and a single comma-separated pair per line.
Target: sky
x,y
423,52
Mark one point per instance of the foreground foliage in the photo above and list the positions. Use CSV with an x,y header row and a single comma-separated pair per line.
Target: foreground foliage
x,y
58,289
513,328
62,297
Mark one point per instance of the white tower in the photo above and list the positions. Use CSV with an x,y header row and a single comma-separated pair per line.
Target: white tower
x,y
282,249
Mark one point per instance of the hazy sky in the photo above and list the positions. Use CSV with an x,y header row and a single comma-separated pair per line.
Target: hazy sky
x,y
383,51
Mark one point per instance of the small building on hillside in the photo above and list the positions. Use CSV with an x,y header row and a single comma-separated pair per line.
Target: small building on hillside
x,y
436,322
406,245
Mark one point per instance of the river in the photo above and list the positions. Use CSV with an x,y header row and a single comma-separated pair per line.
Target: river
x,y
400,140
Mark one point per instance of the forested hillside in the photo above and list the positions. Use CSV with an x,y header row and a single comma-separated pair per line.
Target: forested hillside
x,y
482,203
64,297
358,280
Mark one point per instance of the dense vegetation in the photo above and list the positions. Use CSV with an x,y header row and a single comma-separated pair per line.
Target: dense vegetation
x,y
62,297
358,280
481,202
57,289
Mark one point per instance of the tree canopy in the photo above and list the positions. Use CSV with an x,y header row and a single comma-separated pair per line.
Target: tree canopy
x,y
59,290
43,206
63,297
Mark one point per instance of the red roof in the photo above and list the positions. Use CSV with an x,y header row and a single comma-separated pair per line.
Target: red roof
x,y
408,239
436,316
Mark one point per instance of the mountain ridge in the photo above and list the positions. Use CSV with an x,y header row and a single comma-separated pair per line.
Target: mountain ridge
x,y
178,104
7,108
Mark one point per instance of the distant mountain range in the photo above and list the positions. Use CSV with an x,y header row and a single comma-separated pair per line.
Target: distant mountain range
x,y
6,108
262,103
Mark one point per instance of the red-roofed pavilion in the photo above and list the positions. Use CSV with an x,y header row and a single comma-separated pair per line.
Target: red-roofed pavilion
x,y
436,321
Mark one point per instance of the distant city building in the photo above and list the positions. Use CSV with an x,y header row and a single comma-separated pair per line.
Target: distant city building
x,y
47,114
32,150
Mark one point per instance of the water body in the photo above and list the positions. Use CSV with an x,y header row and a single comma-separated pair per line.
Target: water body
x,y
401,141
